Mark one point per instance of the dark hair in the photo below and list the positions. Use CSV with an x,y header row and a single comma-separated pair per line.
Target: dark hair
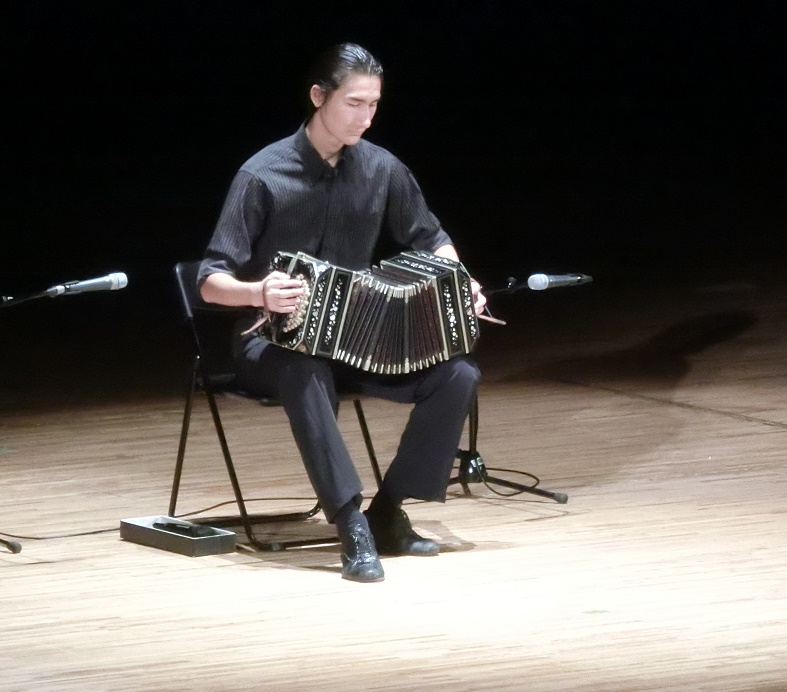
x,y
338,62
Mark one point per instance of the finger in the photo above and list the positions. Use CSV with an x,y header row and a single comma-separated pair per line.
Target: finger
x,y
286,284
293,292
275,306
279,275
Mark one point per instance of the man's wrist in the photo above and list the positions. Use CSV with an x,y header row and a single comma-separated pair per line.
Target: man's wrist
x,y
257,294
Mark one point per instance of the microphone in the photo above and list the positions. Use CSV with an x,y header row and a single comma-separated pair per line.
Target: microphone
x,y
111,282
540,282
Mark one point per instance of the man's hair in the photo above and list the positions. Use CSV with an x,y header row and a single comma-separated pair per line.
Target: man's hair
x,y
334,65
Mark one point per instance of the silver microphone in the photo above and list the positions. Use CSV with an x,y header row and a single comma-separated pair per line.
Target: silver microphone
x,y
540,282
111,282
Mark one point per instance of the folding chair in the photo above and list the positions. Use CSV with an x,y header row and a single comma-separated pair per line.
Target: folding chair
x,y
213,374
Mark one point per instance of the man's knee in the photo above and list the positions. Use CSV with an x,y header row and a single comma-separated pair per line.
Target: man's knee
x,y
458,377
300,371
465,373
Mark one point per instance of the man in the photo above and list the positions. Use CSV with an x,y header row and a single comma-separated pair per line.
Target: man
x,y
327,192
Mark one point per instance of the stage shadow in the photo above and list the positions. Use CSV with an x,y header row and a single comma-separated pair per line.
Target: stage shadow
x,y
664,359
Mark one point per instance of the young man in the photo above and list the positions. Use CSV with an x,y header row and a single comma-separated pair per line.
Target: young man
x,y
327,192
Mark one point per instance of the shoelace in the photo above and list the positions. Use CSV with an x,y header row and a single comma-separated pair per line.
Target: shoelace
x,y
363,543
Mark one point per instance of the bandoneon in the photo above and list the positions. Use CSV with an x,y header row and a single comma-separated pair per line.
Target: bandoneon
x,y
412,311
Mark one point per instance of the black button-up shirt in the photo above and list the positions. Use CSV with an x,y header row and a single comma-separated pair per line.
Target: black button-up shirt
x,y
287,198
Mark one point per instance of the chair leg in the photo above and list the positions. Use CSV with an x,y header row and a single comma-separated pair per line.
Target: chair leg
x,y
246,519
244,515
367,438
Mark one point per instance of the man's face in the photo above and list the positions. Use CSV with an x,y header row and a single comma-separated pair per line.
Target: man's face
x,y
347,112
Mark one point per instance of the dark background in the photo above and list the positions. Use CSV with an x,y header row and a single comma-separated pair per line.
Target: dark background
x,y
620,139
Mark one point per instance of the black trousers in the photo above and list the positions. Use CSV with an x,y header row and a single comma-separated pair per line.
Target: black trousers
x,y
307,387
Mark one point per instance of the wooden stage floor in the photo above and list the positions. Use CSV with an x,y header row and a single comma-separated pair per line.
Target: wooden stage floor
x,y
662,414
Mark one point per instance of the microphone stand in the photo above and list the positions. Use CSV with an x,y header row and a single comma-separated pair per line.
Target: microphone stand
x,y
6,302
471,465
473,470
13,546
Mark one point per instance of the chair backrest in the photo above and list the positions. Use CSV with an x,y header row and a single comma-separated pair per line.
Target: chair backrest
x,y
186,279
210,325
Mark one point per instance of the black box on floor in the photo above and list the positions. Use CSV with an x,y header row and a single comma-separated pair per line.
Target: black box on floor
x,y
177,536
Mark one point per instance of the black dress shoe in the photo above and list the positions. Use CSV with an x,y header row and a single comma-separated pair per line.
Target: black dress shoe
x,y
393,534
360,561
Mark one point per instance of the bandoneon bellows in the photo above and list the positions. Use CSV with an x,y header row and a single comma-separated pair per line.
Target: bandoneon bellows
x,y
412,311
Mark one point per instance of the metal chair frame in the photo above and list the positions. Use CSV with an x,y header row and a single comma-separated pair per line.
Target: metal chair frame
x,y
212,383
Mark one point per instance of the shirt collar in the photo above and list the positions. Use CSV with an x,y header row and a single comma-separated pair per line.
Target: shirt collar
x,y
313,163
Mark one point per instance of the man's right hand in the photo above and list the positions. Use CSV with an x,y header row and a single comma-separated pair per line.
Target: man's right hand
x,y
281,293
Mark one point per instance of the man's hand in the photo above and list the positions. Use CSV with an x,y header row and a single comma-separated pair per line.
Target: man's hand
x,y
479,299
281,293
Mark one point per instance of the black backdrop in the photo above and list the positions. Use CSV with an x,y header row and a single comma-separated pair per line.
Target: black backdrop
x,y
604,137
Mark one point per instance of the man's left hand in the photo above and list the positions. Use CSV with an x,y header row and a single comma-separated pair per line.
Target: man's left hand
x,y
479,299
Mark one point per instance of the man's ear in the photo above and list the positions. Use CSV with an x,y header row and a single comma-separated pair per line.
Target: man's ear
x,y
317,95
